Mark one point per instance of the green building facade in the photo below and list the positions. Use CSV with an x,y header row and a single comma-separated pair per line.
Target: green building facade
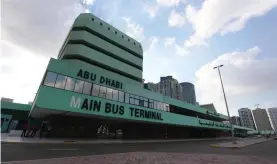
x,y
96,81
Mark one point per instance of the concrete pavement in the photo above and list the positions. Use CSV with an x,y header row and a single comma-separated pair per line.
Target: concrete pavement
x,y
240,143
153,158
19,152
98,141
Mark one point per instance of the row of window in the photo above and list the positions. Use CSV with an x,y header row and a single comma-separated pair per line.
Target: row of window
x,y
101,24
71,84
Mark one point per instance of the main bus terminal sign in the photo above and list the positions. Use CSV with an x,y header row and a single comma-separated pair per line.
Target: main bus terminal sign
x,y
114,109
102,80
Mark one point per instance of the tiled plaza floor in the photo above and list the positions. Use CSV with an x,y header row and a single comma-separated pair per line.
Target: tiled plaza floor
x,y
153,158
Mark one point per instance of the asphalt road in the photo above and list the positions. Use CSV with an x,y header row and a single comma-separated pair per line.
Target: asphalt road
x,y
17,152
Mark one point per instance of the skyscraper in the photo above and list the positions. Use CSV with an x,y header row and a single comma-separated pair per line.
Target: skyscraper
x,y
273,116
188,92
169,86
246,118
261,119
235,120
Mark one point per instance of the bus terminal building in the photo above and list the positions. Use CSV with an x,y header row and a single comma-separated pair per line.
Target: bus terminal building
x,y
96,86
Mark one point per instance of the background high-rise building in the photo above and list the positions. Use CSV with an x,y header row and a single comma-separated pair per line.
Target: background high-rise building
x,y
170,87
4,99
235,120
261,119
188,91
246,118
273,116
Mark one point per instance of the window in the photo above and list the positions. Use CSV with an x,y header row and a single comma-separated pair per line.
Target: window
x,y
109,94
79,86
127,98
103,91
70,83
95,90
60,82
115,95
136,100
132,99
155,104
50,79
146,102
87,88
141,101
121,96
151,104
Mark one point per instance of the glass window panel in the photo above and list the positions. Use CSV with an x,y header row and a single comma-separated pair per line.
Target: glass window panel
x,y
50,79
115,95
136,100
70,83
95,90
79,86
146,102
131,98
87,88
109,93
155,104
103,91
164,107
60,82
141,101
127,98
121,96
159,105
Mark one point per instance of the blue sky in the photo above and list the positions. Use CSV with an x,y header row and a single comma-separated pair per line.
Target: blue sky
x,y
183,38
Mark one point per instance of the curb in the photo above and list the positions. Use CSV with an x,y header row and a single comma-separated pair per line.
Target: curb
x,y
118,142
237,147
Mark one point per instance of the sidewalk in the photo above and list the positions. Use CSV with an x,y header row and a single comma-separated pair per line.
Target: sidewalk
x,y
241,143
102,141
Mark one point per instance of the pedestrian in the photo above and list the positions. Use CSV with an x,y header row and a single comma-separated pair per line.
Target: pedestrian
x,y
25,127
34,131
42,129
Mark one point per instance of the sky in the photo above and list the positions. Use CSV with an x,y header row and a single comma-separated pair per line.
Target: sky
x,y
183,38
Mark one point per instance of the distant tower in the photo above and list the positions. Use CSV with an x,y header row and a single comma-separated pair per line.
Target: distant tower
x,y
188,91
246,118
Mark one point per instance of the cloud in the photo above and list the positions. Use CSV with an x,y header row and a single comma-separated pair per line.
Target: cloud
x,y
243,74
32,31
170,43
40,26
176,19
21,72
151,9
133,29
88,2
168,3
222,17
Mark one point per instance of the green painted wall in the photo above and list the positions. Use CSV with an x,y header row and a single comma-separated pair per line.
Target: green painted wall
x,y
15,106
103,59
99,26
100,43
71,68
57,99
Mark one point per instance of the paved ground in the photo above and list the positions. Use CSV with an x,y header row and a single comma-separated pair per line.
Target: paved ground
x,y
154,158
241,143
17,152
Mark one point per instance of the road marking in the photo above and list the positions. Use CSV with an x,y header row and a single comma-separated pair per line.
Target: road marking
x,y
44,159
63,149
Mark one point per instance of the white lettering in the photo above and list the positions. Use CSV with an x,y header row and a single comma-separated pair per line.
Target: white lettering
x,y
74,103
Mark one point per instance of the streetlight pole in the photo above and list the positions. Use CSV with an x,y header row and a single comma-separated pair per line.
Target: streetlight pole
x,y
231,125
